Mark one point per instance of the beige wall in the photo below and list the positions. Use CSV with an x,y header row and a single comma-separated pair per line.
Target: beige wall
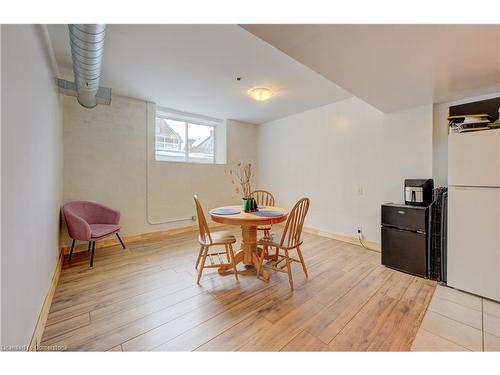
x,y
348,158
106,160
31,180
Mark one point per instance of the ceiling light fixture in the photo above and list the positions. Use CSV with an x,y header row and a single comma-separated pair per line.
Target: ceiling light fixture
x,y
260,94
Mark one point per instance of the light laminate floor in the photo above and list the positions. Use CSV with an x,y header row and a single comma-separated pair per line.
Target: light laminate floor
x,y
146,298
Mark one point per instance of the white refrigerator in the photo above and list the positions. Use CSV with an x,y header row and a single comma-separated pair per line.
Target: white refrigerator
x,y
474,213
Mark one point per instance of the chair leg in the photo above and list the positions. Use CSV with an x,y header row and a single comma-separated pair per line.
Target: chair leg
x,y
302,261
289,267
233,261
227,254
276,256
199,257
261,259
92,254
90,245
204,257
71,251
119,239
265,250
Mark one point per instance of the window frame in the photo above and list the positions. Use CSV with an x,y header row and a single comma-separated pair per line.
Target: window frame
x,y
187,119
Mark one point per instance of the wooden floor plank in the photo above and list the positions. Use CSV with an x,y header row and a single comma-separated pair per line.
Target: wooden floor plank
x,y
335,317
283,331
73,306
358,333
231,307
120,328
400,328
146,298
275,301
64,326
233,339
305,342
204,332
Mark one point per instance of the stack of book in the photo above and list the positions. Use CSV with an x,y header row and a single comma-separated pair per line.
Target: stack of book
x,y
468,123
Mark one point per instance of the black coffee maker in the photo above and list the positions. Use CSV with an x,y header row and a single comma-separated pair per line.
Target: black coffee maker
x,y
418,192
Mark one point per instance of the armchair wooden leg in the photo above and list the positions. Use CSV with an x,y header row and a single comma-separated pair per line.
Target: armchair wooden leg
x,y
71,251
233,260
302,261
203,259
92,255
119,239
289,268
199,257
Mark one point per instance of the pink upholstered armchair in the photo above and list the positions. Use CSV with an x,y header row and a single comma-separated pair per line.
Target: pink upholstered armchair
x,y
89,221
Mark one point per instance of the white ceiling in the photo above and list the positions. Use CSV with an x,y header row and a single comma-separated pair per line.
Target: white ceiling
x,y
193,68
394,67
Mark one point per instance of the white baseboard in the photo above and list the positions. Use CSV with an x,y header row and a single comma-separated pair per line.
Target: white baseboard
x,y
372,245
44,313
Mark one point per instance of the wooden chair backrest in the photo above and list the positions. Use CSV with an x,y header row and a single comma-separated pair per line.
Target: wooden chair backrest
x,y
263,197
295,222
202,221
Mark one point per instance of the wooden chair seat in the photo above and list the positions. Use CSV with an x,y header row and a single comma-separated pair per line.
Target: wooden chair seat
x,y
218,238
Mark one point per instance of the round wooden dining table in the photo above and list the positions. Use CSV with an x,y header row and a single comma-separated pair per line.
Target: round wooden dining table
x,y
248,221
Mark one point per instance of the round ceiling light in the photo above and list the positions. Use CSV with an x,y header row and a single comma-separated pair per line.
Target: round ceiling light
x,y
260,94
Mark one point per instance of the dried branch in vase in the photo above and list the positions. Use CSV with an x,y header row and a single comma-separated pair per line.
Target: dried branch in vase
x,y
242,175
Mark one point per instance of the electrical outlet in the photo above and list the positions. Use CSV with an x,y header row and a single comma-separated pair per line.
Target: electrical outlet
x,y
193,218
359,230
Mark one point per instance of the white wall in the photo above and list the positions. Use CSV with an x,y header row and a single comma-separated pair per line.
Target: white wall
x,y
331,153
31,157
105,160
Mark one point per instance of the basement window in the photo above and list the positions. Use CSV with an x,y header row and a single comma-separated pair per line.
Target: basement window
x,y
186,138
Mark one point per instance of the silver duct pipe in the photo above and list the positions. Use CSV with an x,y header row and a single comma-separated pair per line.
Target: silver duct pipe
x,y
87,45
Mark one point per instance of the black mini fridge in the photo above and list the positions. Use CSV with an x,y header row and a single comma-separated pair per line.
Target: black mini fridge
x,y
405,238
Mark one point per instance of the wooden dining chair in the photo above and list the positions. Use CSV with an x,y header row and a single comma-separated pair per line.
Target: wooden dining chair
x,y
264,198
208,240
290,240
